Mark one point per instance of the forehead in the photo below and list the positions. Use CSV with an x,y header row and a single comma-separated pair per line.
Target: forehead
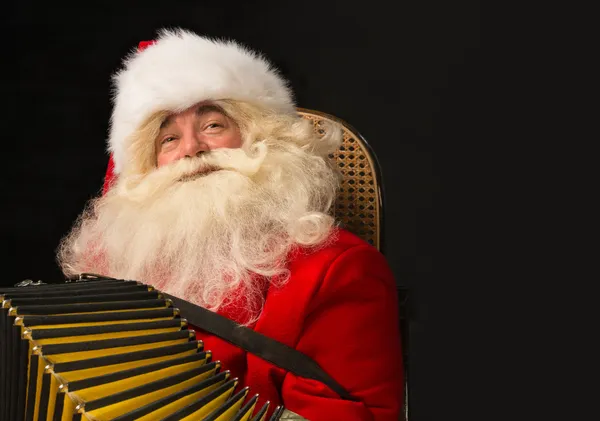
x,y
199,110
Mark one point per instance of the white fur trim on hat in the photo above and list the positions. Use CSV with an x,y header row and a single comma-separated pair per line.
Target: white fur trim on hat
x,y
182,69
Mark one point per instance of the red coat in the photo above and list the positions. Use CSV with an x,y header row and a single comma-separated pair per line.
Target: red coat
x,y
340,307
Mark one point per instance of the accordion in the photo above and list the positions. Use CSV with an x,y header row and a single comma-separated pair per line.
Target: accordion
x,y
106,349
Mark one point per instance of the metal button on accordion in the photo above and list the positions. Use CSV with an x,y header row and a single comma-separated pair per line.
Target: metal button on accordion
x,y
104,349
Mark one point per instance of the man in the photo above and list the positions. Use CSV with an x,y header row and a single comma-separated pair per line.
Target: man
x,y
220,195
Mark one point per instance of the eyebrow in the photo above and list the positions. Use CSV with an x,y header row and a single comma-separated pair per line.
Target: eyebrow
x,y
200,110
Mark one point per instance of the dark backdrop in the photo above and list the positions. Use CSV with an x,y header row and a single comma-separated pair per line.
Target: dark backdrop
x,y
402,73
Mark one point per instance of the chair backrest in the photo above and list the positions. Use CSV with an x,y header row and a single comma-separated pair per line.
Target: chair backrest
x,y
359,204
359,207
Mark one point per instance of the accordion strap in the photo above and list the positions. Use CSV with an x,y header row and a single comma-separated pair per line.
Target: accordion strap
x,y
258,344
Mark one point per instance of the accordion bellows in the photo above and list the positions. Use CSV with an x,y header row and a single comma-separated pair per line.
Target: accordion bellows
x,y
110,350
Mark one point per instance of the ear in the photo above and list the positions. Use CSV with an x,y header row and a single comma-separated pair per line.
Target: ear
x,y
110,176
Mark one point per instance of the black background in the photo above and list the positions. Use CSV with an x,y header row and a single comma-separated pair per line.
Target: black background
x,y
404,74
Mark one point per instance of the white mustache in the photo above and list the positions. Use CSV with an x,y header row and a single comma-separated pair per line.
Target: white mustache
x,y
247,163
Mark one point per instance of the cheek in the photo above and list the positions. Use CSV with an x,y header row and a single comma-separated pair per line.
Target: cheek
x,y
233,140
163,159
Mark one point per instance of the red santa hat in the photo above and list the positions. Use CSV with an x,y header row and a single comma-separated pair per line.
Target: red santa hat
x,y
180,69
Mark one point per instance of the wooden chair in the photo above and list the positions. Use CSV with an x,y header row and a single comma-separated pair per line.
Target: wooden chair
x,y
359,206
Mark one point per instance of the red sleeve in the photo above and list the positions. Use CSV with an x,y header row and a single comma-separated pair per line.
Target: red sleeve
x,y
352,332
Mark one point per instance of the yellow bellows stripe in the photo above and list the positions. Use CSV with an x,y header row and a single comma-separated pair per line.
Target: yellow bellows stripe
x,y
210,406
129,405
233,409
174,406
65,378
102,336
86,324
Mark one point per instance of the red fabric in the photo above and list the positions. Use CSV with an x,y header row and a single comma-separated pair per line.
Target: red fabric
x,y
339,307
145,44
110,176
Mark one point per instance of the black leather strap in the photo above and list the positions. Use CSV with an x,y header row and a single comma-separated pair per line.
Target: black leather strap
x,y
258,344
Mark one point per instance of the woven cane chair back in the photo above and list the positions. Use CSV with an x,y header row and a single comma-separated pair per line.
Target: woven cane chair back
x,y
359,204
359,208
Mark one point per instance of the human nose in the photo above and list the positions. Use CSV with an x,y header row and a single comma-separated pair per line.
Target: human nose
x,y
192,145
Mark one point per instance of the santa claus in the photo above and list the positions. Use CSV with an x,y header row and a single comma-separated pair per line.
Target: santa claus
x,y
220,193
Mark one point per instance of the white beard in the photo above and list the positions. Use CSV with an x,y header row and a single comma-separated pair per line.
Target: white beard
x,y
207,239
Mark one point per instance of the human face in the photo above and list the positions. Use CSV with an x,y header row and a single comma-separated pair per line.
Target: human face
x,y
198,129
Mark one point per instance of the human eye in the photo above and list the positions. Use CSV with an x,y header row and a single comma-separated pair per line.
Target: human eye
x,y
167,139
214,125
